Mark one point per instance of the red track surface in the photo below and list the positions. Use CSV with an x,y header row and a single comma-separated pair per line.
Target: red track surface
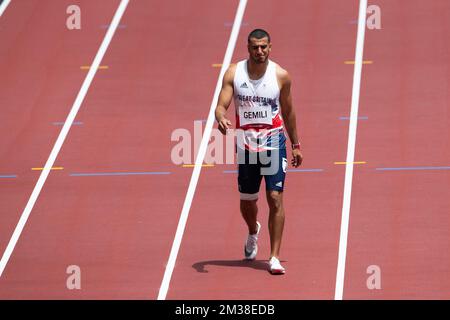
x,y
399,219
119,229
211,255
40,78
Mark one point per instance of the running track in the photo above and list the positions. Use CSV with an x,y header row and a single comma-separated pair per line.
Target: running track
x,y
113,206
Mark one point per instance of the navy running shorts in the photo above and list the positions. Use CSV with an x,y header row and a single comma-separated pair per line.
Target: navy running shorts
x,y
253,166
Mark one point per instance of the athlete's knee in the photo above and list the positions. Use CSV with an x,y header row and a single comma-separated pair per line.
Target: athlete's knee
x,y
248,207
248,203
275,200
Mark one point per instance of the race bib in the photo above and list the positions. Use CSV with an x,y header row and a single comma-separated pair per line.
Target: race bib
x,y
255,115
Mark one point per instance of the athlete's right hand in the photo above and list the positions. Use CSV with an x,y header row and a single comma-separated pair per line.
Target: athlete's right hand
x,y
224,125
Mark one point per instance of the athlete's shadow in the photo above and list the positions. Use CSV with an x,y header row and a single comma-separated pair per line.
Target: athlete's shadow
x,y
254,264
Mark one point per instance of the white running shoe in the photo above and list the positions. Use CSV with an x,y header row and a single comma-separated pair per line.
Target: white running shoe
x,y
275,266
251,246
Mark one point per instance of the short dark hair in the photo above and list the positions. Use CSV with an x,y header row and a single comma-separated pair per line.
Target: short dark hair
x,y
258,34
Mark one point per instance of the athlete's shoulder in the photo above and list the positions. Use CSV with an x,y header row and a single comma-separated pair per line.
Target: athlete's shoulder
x,y
282,75
229,74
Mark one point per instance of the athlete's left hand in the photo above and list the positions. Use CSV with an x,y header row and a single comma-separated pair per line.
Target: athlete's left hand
x,y
297,158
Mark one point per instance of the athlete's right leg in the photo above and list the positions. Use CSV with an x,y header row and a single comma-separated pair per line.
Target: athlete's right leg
x,y
249,211
249,180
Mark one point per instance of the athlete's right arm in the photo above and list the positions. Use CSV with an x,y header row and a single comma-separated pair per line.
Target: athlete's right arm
x,y
225,97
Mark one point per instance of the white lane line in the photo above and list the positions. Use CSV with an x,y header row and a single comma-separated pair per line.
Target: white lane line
x,y
62,135
3,6
339,289
201,154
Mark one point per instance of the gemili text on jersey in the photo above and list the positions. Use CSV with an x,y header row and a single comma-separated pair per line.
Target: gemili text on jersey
x,y
255,114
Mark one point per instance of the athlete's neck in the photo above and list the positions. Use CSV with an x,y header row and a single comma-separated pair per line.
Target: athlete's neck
x,y
256,70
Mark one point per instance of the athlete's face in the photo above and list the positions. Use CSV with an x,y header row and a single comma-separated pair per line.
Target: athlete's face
x,y
259,49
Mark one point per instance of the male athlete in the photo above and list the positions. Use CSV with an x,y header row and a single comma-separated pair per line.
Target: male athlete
x,y
262,97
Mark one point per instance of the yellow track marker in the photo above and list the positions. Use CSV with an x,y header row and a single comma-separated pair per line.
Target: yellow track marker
x,y
88,67
53,168
353,62
356,162
193,165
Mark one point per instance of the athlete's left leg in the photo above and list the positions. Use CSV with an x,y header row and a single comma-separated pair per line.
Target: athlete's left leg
x,y
274,194
276,220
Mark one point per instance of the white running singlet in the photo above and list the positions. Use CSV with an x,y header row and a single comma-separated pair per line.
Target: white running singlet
x,y
258,109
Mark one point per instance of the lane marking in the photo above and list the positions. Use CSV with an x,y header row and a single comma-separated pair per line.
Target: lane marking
x,y
340,272
230,171
193,165
8,176
412,168
94,174
304,170
76,123
89,67
353,62
62,135
3,6
359,118
52,168
354,162
201,154
288,170
120,26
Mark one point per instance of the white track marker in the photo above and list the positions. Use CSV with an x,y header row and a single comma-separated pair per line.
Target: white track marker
x,y
339,289
3,6
201,154
62,135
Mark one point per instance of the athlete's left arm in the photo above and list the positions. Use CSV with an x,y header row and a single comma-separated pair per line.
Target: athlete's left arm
x,y
288,114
